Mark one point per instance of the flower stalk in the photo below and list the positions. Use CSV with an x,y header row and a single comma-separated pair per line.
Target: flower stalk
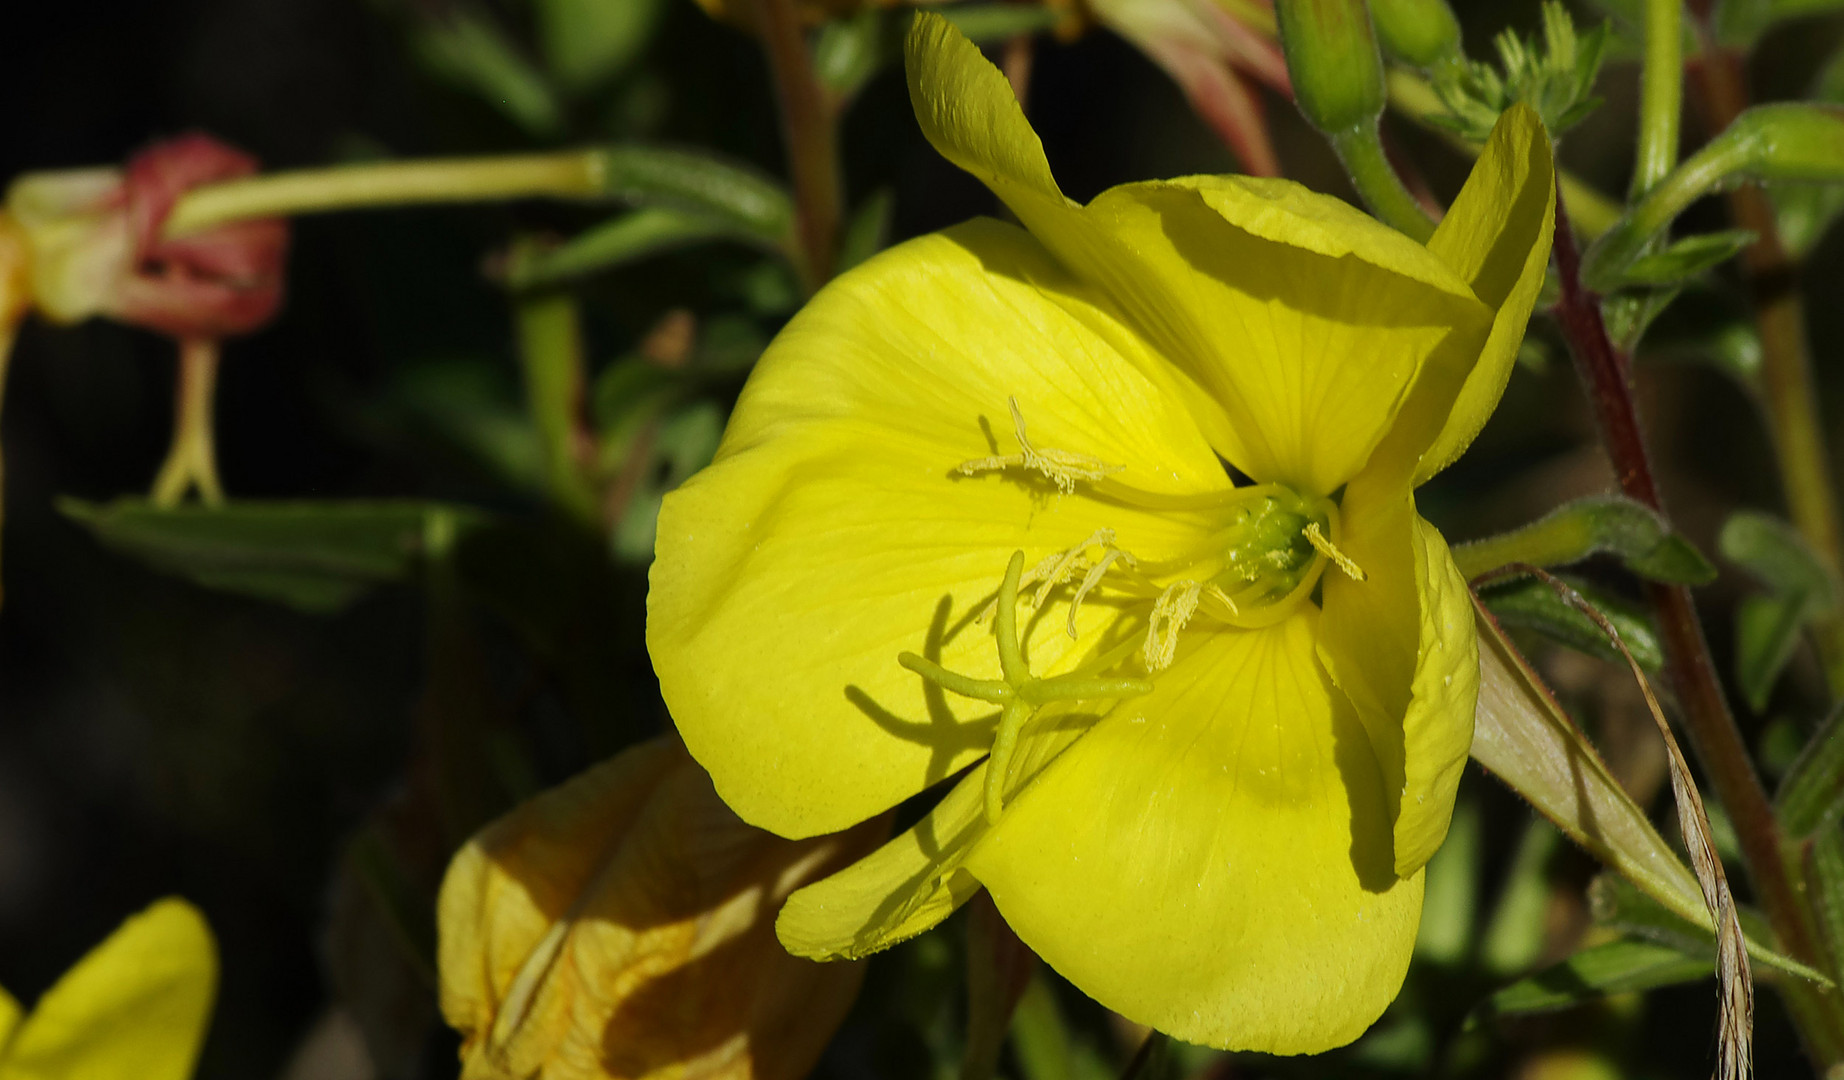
x,y
1607,375
577,174
192,460
1661,94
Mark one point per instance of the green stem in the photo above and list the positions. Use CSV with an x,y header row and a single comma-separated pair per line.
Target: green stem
x,y
1661,94
192,461
1361,150
1788,390
808,122
577,174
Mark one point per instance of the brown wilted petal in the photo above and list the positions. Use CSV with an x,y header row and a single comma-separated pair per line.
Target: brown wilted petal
x,y
216,283
622,926
96,248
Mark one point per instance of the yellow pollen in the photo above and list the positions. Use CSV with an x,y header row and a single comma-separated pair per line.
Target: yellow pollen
x,y
1063,467
1323,545
1170,613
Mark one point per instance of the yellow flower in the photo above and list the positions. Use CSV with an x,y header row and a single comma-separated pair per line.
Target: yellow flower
x,y
1219,779
137,1006
619,926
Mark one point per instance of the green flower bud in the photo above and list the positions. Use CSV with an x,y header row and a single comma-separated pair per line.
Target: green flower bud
x,y
1791,142
1419,32
1332,56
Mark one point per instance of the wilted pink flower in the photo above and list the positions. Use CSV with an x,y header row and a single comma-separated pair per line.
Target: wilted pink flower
x,y
96,244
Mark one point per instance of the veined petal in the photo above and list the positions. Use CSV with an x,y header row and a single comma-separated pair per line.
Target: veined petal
x,y
1496,237
137,1005
1213,859
1298,323
833,532
1401,646
917,879
618,925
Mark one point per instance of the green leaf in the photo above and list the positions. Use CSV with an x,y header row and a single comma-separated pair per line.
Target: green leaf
x,y
1768,626
986,24
1515,932
1450,898
849,51
1824,861
313,556
587,42
1532,604
1767,629
1641,540
619,241
469,50
1525,739
1686,258
1614,968
1811,797
1620,905
868,231
1774,552
701,184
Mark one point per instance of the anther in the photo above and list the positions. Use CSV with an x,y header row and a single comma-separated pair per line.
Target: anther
x,y
1170,613
1062,467
1090,580
1323,545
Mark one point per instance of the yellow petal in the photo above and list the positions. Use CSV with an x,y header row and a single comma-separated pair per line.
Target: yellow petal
x,y
137,1005
833,533
77,230
1402,647
1497,238
10,1015
621,925
1213,859
916,880
1299,323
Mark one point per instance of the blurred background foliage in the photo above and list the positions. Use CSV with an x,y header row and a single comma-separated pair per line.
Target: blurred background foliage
x,y
289,766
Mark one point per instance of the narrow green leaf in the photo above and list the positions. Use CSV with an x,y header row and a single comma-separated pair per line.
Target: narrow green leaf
x,y
1825,877
619,241
989,23
849,51
868,230
1525,739
471,52
1768,626
1614,968
1450,899
1532,604
1515,931
1620,905
1600,524
1686,258
550,340
313,556
698,183
1774,552
1811,797
1767,629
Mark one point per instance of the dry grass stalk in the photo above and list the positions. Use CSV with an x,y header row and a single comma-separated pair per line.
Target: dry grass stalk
x,y
1735,1034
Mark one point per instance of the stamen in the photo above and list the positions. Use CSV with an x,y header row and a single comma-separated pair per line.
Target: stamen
x,y
1020,693
1062,467
1323,545
1170,613
1090,580
1054,569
